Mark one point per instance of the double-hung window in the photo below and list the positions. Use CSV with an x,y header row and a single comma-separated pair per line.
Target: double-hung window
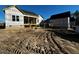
x,y
15,18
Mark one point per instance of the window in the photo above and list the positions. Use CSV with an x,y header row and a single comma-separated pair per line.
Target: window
x,y
17,18
13,17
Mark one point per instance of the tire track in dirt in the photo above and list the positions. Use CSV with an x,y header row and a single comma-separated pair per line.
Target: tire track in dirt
x,y
53,43
61,48
36,42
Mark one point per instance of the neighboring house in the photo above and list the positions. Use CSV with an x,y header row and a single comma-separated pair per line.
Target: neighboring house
x,y
61,21
45,23
77,23
15,17
2,25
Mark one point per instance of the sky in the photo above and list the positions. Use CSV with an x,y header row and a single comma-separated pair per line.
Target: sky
x,y
44,10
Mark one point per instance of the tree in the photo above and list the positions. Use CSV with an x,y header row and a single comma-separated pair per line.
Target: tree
x,y
76,14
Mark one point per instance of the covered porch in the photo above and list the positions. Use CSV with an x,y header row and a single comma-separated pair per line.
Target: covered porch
x,y
30,22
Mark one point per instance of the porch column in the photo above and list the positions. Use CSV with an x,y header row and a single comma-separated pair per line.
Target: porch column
x,y
68,23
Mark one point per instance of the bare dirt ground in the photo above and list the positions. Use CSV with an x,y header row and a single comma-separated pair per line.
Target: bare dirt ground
x,y
39,41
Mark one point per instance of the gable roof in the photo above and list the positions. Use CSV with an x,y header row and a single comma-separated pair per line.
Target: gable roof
x,y
23,11
61,15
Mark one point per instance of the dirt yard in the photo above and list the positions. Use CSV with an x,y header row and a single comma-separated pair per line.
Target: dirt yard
x,y
39,41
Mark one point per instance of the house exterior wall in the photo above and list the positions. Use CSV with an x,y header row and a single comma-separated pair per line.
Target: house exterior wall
x,y
72,24
60,23
39,20
14,11
8,17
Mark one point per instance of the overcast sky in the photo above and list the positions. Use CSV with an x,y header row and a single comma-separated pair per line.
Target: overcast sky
x,y
44,10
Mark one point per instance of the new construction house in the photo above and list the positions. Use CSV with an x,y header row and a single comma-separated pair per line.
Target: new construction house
x,y
16,17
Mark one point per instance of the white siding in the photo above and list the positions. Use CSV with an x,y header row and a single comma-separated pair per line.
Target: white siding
x,y
39,19
14,11
8,17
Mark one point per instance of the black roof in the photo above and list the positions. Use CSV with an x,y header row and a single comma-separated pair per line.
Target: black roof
x,y
61,15
28,12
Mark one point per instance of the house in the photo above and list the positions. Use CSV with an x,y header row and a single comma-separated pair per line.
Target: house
x,y
45,23
77,23
2,25
16,17
62,21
